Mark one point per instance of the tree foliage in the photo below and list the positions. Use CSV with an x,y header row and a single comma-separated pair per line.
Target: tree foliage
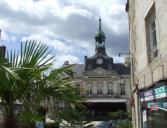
x,y
73,117
23,78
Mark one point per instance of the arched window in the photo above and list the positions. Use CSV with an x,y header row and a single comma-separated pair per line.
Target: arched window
x,y
99,90
122,88
110,91
89,89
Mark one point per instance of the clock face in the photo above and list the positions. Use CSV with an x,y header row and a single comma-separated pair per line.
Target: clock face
x,y
99,61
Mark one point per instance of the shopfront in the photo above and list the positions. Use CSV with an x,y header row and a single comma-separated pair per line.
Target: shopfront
x,y
153,102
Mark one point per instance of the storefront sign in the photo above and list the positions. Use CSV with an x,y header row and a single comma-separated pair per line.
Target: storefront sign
x,y
141,96
160,92
153,106
157,105
149,95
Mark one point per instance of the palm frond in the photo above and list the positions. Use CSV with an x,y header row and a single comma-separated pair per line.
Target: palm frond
x,y
10,73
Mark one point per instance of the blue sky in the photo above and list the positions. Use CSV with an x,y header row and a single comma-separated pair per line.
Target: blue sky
x,y
68,27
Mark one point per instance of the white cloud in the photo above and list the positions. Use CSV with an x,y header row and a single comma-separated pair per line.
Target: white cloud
x,y
67,11
53,8
60,59
59,46
8,37
74,21
4,36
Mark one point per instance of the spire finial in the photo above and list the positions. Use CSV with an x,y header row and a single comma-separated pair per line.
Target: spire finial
x,y
99,23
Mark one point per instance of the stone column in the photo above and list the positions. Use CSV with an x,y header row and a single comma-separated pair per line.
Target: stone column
x,y
128,107
94,87
105,87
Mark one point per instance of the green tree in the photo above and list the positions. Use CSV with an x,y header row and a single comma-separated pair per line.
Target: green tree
x,y
120,114
125,124
23,78
7,76
74,117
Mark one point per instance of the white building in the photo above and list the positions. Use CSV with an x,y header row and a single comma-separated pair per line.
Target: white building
x,y
148,48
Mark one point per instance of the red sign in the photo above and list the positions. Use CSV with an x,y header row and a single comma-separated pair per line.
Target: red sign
x,y
131,101
154,107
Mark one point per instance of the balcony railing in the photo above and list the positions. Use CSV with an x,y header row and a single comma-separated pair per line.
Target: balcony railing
x,y
102,95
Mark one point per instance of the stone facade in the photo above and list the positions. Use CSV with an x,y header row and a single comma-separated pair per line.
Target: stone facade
x,y
106,84
101,85
147,72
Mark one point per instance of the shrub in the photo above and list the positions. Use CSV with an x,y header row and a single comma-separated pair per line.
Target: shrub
x,y
125,124
52,125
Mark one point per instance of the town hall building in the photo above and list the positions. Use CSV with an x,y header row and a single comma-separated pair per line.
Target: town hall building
x,y
106,84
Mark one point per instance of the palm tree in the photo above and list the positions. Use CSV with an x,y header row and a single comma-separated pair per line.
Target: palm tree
x,y
23,78
7,76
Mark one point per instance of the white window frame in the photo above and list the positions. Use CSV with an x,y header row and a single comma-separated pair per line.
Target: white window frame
x,y
99,90
110,90
122,89
151,34
90,89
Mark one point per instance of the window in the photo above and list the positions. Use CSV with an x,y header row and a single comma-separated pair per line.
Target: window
x,y
99,90
78,89
110,92
151,36
122,88
89,90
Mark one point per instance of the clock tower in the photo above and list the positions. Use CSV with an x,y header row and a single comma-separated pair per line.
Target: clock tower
x,y
100,59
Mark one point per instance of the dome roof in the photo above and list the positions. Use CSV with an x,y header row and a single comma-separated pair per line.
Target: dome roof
x,y
100,34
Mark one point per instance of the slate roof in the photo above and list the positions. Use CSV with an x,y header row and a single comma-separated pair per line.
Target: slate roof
x,y
121,69
118,67
78,69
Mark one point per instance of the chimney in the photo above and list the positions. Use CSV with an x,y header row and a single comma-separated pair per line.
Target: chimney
x,y
86,59
127,6
66,63
2,51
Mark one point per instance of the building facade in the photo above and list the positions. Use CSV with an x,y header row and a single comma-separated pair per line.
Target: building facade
x,y
106,84
148,53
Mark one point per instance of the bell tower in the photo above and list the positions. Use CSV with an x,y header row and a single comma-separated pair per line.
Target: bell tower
x,y
100,40
100,59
